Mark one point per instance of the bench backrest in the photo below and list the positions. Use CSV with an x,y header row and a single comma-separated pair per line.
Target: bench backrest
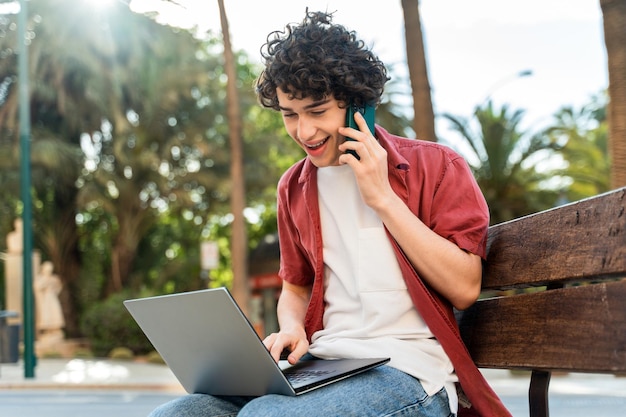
x,y
559,291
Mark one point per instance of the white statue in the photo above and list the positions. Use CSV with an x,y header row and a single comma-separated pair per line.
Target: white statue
x,y
15,239
13,263
47,287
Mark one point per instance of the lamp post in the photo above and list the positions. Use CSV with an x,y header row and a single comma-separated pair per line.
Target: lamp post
x,y
25,180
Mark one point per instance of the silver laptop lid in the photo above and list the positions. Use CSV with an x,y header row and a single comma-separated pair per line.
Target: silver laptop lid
x,y
208,343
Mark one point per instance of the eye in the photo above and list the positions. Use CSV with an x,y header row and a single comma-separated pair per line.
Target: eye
x,y
318,112
289,115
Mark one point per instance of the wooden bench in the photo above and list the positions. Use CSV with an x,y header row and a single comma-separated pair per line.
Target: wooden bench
x,y
555,295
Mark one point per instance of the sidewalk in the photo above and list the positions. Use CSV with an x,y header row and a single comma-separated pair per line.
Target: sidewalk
x,y
90,374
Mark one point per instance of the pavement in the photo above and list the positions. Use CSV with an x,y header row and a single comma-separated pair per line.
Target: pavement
x,y
99,374
571,394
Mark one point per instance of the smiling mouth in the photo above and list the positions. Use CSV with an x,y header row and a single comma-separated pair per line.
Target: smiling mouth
x,y
316,145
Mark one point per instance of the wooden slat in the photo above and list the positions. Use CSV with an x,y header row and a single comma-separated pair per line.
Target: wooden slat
x,y
578,329
568,243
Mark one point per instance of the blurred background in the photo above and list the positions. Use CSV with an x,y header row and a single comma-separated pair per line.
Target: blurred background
x,y
152,169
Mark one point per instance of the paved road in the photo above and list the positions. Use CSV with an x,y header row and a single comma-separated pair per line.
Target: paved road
x,y
64,403
572,405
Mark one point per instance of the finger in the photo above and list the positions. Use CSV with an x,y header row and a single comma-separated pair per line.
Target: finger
x,y
349,153
351,134
360,133
269,340
276,351
361,123
280,344
299,350
270,345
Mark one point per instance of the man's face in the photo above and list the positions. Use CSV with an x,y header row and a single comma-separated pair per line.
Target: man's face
x,y
313,125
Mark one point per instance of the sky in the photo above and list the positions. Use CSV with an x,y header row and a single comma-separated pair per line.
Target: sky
x,y
475,49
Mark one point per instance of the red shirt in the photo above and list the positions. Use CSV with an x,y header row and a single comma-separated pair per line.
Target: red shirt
x,y
439,188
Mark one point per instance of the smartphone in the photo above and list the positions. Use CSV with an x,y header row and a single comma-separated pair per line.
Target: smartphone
x,y
368,112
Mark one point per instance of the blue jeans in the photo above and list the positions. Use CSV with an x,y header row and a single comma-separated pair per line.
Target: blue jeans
x,y
383,391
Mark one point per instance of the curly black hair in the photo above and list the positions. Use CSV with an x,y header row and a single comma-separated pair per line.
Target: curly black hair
x,y
318,59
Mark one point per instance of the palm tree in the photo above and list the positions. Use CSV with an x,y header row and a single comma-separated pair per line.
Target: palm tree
x,y
614,15
239,244
424,117
145,85
584,138
504,159
153,156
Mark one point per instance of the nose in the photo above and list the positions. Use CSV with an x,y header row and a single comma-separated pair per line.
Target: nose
x,y
306,129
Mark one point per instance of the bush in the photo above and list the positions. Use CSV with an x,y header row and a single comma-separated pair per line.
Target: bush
x,y
83,353
108,325
122,353
154,357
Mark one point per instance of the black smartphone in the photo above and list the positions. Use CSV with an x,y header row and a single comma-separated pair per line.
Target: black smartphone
x,y
368,112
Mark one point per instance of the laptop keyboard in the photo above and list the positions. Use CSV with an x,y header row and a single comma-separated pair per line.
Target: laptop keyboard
x,y
299,376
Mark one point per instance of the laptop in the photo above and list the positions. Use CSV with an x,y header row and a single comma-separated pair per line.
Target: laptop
x,y
211,348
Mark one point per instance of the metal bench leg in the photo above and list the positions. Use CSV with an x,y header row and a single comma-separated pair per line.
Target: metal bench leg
x,y
538,394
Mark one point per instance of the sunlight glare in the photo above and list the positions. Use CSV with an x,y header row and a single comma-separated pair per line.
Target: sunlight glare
x,y
10,7
102,4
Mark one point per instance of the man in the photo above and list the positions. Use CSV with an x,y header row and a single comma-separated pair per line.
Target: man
x,y
375,249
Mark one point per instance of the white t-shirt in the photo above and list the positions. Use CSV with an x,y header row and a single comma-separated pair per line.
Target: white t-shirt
x,y
369,312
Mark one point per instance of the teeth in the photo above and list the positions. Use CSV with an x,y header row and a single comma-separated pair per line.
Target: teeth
x,y
316,145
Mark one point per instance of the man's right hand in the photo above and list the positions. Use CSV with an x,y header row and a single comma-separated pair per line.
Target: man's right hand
x,y
292,306
296,345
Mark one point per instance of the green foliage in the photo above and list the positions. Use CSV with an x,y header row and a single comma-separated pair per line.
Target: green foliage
x,y
95,231
168,257
83,353
521,172
130,149
584,134
154,357
108,325
121,353
505,159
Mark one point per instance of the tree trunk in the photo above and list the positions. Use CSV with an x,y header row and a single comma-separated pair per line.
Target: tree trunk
x,y
424,117
614,15
61,245
239,243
